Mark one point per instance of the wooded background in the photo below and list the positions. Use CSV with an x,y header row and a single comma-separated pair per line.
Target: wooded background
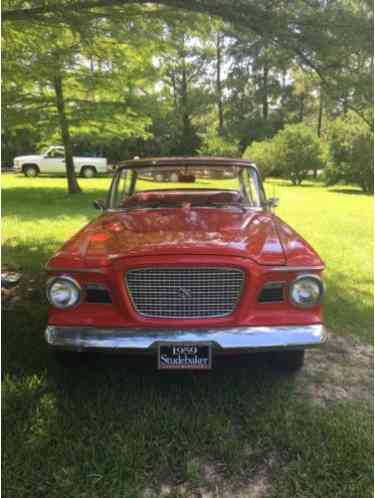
x,y
287,83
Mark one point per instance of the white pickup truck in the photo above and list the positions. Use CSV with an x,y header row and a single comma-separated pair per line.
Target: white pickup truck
x,y
52,161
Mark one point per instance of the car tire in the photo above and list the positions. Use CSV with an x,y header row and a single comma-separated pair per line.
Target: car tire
x,y
291,361
88,172
31,171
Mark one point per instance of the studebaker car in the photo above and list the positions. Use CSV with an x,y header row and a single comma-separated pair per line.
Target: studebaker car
x,y
52,161
187,273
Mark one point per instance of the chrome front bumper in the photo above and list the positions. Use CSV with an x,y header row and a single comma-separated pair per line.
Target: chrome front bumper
x,y
242,339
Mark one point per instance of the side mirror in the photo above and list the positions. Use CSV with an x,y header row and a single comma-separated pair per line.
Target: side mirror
x,y
272,202
99,205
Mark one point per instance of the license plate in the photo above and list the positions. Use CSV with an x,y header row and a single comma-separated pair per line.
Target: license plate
x,y
184,356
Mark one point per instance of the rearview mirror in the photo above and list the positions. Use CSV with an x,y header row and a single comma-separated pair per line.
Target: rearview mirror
x,y
99,205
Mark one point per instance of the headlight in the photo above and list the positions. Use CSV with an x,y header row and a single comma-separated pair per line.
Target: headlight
x,y
63,292
306,291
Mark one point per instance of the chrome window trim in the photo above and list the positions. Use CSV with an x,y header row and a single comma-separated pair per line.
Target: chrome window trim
x,y
260,194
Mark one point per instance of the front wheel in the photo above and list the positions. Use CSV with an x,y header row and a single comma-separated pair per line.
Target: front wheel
x,y
291,361
88,172
30,171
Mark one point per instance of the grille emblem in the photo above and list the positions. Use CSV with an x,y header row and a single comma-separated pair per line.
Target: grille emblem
x,y
184,293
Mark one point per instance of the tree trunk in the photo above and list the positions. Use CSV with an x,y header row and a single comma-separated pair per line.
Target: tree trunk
x,y
345,105
265,91
184,104
320,114
73,187
320,120
301,107
174,86
219,90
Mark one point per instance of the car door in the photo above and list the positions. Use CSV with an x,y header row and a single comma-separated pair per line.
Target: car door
x,y
53,161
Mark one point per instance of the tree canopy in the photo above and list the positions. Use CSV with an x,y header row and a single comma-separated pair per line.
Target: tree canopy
x,y
127,77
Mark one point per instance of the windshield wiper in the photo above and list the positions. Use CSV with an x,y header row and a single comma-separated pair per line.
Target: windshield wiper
x,y
219,205
154,205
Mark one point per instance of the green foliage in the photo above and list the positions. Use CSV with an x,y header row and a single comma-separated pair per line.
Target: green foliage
x,y
264,155
297,151
216,145
106,73
145,79
351,144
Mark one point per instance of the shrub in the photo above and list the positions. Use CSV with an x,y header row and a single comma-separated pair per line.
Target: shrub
x,y
350,153
215,145
297,151
263,154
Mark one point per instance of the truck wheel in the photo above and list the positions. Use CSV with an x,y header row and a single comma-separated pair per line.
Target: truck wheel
x,y
159,177
31,171
292,361
88,172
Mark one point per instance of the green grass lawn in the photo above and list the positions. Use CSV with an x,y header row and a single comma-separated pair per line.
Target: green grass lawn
x,y
38,216
111,429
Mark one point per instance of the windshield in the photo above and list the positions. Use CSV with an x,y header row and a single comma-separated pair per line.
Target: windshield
x,y
172,186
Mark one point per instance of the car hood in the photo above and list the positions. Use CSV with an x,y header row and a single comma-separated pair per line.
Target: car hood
x,y
228,232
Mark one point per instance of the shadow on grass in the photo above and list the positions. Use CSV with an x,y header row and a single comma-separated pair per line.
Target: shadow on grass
x,y
31,255
348,191
114,425
48,203
47,207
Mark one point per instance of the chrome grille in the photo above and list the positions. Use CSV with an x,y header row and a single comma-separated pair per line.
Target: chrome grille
x,y
185,292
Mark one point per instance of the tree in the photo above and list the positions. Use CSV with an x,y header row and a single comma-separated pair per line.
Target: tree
x,y
184,59
48,69
351,145
254,87
43,59
297,151
327,37
146,78
264,156
214,144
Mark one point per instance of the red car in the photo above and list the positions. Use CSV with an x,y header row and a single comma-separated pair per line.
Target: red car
x,y
187,270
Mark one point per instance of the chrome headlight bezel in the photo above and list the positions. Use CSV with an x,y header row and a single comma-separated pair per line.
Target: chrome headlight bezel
x,y
72,283
317,280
